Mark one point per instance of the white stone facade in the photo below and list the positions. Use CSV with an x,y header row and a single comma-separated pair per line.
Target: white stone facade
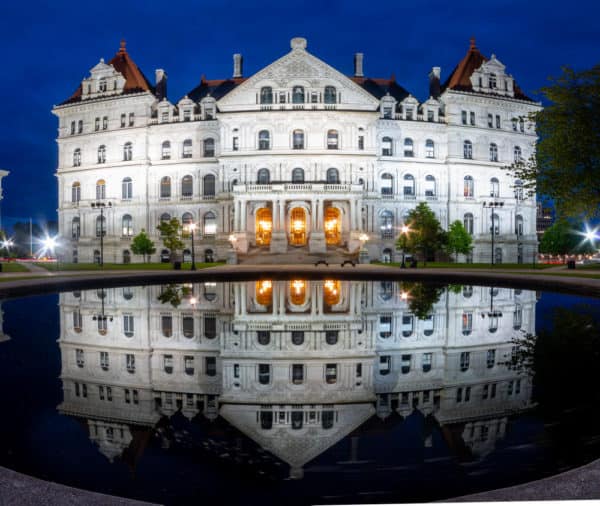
x,y
295,365
296,156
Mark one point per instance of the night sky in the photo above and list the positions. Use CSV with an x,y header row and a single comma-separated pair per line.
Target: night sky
x,y
48,47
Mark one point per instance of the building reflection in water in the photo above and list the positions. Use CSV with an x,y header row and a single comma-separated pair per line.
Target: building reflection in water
x,y
296,366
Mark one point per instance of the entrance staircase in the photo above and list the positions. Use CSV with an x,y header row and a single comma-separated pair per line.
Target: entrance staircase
x,y
294,255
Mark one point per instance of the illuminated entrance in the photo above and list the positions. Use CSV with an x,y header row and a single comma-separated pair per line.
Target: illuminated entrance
x,y
333,226
298,227
264,292
298,292
264,226
332,292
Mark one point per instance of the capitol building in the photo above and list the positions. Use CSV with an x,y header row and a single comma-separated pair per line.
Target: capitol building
x,y
295,157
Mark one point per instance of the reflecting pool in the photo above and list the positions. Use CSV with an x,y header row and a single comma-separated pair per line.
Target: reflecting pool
x,y
299,391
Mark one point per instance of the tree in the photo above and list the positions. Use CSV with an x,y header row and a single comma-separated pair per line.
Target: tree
x,y
425,234
562,238
422,297
141,244
170,232
566,163
458,239
173,294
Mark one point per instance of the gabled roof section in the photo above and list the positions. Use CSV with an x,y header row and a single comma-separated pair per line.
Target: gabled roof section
x,y
381,87
135,80
460,78
216,88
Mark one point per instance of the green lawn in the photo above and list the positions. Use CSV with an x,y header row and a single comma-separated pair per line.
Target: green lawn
x,y
54,267
13,267
451,265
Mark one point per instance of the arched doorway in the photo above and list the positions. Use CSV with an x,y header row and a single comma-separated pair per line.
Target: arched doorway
x,y
264,292
298,227
298,292
263,226
333,226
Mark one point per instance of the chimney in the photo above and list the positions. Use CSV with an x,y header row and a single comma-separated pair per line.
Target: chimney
x,y
160,83
358,65
237,65
434,82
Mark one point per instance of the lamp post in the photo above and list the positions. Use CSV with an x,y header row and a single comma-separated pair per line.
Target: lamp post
x,y
102,316
404,232
101,205
491,206
363,254
191,228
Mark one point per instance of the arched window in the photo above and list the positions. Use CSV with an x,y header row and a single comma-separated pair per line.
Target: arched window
x,y
263,337
498,255
127,225
100,226
209,256
333,176
298,175
409,186
386,257
408,148
468,222
264,140
100,189
430,186
165,150
517,154
493,152
126,258
386,147
468,186
187,148
187,186
186,220
165,188
519,189
297,337
298,95
209,148
494,187
519,225
298,139
263,176
127,151
266,95
330,96
331,337
492,81
76,192
387,224
96,256
210,224
165,217
429,148
77,158
75,228
387,184
467,150
126,188
332,139
102,154
208,185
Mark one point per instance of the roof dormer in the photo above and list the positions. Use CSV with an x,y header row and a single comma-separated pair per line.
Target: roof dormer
x,y
491,77
388,107
410,106
104,80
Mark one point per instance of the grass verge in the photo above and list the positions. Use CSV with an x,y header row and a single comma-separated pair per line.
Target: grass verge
x,y
64,267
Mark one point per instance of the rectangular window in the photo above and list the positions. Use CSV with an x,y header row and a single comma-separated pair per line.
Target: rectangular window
x,y
430,115
136,398
130,363
490,121
493,391
472,118
79,357
108,393
486,392
127,396
465,359
101,392
104,122
77,391
235,144
385,364
131,119
361,142
123,120
187,115
498,122
188,363
510,387
427,361
409,113
187,323
168,363
464,117
72,127
359,370
165,116
297,374
491,358
210,364
210,327
264,374
387,112
331,373
97,124
166,323
467,323
405,364
236,370
282,97
104,360
128,325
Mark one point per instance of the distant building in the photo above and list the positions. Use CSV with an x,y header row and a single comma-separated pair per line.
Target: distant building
x,y
296,157
544,218
3,174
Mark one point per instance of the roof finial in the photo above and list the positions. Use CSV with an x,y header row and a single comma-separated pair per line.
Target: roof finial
x,y
472,46
122,48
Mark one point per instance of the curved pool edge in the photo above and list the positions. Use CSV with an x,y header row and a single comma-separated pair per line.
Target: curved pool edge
x,y
81,280
19,489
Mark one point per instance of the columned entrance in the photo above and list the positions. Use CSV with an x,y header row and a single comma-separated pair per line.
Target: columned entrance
x,y
298,232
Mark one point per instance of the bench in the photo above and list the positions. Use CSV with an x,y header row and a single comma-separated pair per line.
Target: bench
x,y
323,262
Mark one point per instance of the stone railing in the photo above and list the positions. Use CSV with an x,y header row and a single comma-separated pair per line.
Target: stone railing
x,y
298,188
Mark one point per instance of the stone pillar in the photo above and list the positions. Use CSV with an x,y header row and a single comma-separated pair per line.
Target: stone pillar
x,y
243,211
352,214
278,238
282,288
316,243
243,299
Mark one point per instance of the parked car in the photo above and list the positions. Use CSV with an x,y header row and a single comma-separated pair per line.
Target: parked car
x,y
594,259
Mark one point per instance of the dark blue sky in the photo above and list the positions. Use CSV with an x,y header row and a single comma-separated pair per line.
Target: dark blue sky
x,y
49,46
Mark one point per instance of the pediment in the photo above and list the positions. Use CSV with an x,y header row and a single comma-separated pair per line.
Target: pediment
x,y
298,67
102,69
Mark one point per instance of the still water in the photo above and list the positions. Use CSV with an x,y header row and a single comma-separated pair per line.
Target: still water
x,y
298,392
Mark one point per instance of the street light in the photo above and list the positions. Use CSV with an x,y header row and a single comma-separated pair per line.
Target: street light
x,y
101,205
492,205
191,228
404,232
